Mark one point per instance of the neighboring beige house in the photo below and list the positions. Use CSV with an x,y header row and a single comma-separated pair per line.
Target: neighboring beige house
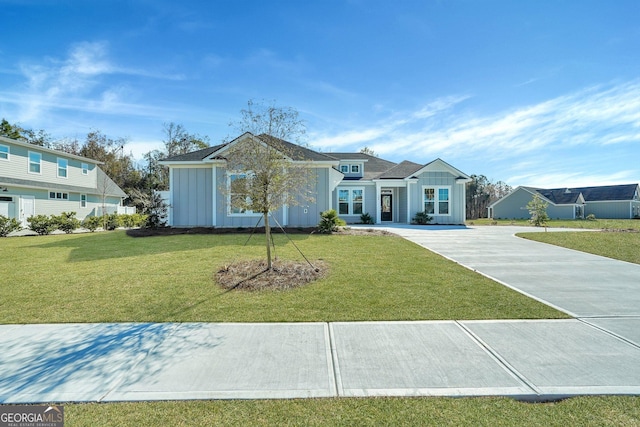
x,y
608,201
36,180
350,183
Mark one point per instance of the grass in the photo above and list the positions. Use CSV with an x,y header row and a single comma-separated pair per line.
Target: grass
x,y
617,245
598,224
111,277
493,412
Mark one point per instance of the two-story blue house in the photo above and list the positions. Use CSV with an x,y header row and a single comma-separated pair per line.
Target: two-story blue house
x,y
36,180
350,183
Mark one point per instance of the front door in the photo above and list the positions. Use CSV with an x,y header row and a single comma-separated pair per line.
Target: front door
x,y
27,209
387,208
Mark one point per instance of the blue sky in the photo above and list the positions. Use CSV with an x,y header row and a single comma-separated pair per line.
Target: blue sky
x,y
542,93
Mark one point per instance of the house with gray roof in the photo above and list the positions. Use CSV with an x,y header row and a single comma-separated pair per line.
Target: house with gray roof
x,y
607,201
351,183
36,180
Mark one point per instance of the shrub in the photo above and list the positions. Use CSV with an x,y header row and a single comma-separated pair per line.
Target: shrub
x,y
126,220
111,221
132,220
8,225
591,217
365,218
42,224
92,223
66,222
157,217
422,218
329,222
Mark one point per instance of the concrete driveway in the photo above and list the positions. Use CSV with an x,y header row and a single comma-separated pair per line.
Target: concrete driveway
x,y
580,284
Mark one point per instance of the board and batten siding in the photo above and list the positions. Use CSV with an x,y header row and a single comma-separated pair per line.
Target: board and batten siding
x,y
456,196
307,213
609,209
370,201
192,202
513,206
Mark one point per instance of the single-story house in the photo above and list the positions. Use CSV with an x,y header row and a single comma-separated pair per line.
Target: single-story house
x,y
36,180
608,201
351,183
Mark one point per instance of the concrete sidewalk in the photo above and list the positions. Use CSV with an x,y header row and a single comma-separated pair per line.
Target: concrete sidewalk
x,y
596,353
530,360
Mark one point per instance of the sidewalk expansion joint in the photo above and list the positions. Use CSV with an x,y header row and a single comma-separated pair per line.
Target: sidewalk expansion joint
x,y
499,359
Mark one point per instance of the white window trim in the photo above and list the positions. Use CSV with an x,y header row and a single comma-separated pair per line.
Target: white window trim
x,y
8,152
436,201
66,168
247,213
350,168
29,162
85,168
350,201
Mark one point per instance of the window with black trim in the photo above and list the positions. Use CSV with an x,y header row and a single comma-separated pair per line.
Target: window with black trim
x,y
350,201
58,195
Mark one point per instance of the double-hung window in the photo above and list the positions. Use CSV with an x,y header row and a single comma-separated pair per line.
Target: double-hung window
x,y
238,200
350,201
63,164
4,152
35,159
85,169
437,200
83,200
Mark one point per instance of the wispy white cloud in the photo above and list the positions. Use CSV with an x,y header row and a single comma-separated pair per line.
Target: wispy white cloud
x,y
78,82
597,116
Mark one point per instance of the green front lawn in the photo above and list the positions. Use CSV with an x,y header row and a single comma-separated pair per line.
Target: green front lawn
x,y
111,277
598,224
489,412
624,246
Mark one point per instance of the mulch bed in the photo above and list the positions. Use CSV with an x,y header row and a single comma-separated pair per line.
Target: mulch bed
x,y
171,231
253,275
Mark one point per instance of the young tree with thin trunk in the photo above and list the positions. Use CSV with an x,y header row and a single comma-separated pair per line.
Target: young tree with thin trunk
x,y
266,170
538,210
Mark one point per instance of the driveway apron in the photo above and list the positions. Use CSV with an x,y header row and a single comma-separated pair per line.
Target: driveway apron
x,y
580,284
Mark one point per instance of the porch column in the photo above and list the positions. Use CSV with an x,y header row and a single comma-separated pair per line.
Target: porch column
x,y
214,195
409,202
378,202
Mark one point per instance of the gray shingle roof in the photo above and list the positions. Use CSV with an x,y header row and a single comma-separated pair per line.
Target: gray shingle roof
x,y
294,151
607,192
590,194
373,167
404,169
560,196
103,183
195,156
